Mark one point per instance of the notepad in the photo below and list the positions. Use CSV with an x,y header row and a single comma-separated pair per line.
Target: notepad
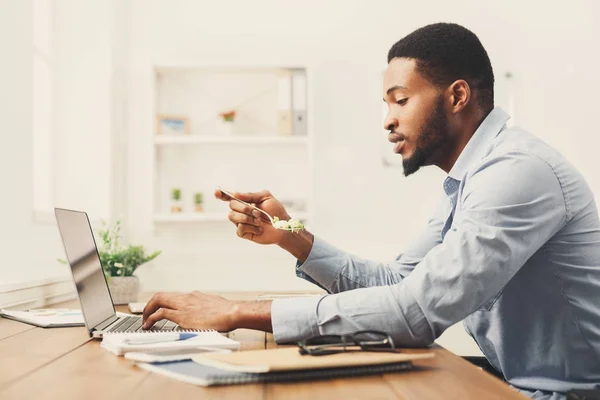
x,y
115,342
197,374
46,317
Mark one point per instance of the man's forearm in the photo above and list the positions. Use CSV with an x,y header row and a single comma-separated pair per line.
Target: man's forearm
x,y
252,315
257,314
297,244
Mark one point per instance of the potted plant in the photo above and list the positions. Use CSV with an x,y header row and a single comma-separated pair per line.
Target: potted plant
x,y
119,263
176,204
227,120
198,202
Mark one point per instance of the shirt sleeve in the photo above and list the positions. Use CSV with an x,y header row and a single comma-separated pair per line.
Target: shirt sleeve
x,y
511,205
336,271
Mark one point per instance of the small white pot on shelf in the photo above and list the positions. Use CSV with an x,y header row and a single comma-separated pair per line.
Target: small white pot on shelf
x,y
176,206
225,128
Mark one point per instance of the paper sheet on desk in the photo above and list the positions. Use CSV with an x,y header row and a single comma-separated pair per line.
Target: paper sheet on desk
x,y
47,317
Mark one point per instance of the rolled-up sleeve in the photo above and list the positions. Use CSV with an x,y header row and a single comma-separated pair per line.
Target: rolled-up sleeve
x,y
504,218
337,271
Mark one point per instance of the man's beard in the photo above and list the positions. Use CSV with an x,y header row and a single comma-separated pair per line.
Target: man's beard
x,y
433,136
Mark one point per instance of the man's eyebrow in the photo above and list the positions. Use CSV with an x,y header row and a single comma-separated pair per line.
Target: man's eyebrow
x,y
390,90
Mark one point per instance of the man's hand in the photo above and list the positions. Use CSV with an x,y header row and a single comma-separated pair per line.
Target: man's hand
x,y
206,311
252,224
191,311
255,226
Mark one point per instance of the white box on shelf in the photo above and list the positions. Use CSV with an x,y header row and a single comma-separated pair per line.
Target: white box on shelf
x,y
299,103
284,103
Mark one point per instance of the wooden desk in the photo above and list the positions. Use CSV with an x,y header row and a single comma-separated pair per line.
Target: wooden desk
x,y
65,363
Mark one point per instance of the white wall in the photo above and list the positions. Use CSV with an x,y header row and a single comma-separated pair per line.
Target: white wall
x,y
82,122
28,250
359,205
83,118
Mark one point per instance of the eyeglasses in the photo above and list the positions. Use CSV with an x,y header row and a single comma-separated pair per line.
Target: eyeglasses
x,y
357,341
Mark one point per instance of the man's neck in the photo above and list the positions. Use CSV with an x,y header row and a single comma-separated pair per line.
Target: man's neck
x,y
464,131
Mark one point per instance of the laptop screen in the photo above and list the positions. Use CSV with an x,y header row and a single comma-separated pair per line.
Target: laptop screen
x,y
82,254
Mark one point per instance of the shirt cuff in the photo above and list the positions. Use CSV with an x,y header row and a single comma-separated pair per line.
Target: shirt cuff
x,y
323,264
294,319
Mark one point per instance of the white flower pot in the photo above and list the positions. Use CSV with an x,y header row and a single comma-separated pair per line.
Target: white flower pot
x,y
225,128
124,289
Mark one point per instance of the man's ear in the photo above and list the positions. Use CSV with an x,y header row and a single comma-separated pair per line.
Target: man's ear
x,y
460,95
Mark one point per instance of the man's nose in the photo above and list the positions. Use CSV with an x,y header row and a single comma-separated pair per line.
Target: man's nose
x,y
390,124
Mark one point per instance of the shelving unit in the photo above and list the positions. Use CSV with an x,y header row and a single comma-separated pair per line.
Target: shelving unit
x,y
213,139
268,147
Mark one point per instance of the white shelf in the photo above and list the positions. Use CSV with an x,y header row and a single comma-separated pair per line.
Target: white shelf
x,y
233,139
206,217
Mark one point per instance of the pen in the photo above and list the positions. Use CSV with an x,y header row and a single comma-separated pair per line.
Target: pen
x,y
160,338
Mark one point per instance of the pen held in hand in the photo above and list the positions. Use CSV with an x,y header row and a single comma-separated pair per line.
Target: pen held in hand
x,y
158,338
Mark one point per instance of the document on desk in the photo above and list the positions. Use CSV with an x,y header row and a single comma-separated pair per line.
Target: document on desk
x,y
47,317
119,343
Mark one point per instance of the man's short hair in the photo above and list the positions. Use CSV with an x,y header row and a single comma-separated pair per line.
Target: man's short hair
x,y
447,52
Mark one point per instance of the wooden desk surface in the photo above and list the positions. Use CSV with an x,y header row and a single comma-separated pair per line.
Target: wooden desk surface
x,y
65,363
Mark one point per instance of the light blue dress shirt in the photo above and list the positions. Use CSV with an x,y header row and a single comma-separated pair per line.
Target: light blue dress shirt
x,y
513,250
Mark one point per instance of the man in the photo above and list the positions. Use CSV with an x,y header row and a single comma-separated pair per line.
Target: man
x,y
513,249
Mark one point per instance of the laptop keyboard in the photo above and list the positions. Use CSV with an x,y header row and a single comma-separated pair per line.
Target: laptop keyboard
x,y
134,324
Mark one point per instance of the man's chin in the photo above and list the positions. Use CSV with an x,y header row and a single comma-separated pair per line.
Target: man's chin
x,y
409,167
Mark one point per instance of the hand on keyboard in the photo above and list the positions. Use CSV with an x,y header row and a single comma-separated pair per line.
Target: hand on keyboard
x,y
134,324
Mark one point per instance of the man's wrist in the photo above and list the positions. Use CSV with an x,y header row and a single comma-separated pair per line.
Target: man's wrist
x,y
251,315
299,244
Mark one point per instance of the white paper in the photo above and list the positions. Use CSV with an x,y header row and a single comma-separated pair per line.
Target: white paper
x,y
115,342
49,317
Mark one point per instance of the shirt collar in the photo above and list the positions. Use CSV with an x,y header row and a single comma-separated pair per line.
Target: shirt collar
x,y
480,142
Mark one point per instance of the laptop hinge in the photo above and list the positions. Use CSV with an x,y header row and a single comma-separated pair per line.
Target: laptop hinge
x,y
107,322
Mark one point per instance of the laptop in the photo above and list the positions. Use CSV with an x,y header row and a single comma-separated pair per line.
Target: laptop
x,y
96,303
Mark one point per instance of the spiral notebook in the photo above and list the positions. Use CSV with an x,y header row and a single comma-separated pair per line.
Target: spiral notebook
x,y
203,375
115,342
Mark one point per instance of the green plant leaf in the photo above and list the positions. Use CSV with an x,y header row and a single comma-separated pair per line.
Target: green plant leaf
x,y
116,259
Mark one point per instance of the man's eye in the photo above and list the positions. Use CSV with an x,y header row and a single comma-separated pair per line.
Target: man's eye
x,y
402,101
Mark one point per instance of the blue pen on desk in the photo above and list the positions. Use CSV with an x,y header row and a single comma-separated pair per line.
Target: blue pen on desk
x,y
158,338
